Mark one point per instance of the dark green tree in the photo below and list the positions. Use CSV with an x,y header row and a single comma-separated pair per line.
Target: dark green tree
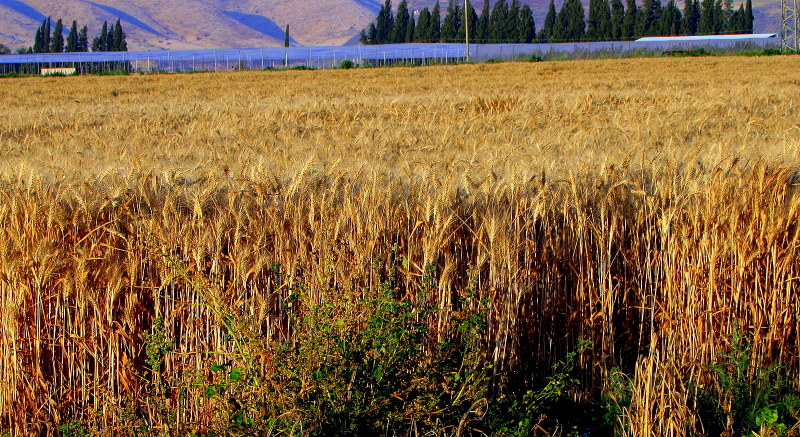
x,y
630,20
472,16
527,26
110,39
547,33
727,24
617,18
400,28
720,17
423,27
498,21
649,20
691,17
571,21
4,50
100,43
72,38
452,22
513,22
83,39
119,38
411,29
436,23
671,19
598,24
37,41
385,23
286,38
57,41
41,42
482,29
748,15
47,29
706,23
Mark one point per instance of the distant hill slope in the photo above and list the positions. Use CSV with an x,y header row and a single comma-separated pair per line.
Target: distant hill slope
x,y
184,24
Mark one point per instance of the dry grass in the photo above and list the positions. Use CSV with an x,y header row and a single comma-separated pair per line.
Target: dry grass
x,y
646,205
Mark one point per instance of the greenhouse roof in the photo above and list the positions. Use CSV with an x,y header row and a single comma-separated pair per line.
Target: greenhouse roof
x,y
740,37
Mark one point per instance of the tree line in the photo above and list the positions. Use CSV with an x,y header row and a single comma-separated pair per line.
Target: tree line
x,y
111,39
607,20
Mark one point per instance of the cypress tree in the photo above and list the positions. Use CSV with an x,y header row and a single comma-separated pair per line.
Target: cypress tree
x,y
740,20
120,44
436,23
46,33
546,35
527,27
617,18
103,45
577,20
99,42
411,28
605,20
513,22
497,22
286,38
691,17
400,28
482,30
83,39
598,25
571,21
362,37
452,22
648,22
37,42
57,41
749,18
422,30
593,21
472,16
110,39
705,26
385,23
630,20
72,38
671,19
720,19
727,23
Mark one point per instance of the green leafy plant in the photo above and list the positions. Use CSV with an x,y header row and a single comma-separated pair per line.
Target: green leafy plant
x,y
523,414
747,398
73,429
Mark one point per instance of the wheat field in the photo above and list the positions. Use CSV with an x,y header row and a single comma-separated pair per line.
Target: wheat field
x,y
649,206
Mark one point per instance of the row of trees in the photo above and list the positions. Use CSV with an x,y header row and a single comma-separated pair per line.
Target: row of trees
x,y
608,20
504,23
110,39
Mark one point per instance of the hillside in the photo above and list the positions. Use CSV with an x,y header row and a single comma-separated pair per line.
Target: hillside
x,y
185,24
182,24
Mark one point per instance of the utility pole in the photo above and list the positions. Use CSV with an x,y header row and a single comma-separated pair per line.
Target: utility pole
x,y
466,24
789,25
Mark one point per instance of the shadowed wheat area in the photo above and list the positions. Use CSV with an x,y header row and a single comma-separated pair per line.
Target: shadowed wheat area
x,y
406,250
